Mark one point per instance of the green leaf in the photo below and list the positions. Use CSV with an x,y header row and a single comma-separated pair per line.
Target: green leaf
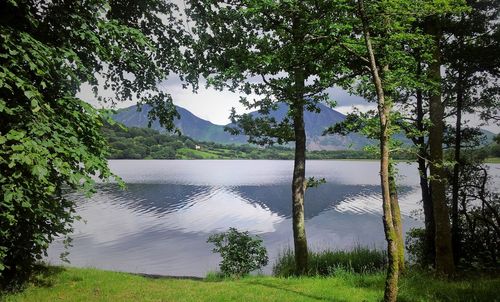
x,y
40,171
15,135
34,105
30,94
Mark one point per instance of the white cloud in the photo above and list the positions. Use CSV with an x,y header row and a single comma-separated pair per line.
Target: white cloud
x,y
208,103
361,107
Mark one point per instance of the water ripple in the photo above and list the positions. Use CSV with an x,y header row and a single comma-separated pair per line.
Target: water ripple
x,y
160,224
367,202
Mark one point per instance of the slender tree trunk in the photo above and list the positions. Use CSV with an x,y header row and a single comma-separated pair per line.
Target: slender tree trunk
x,y
444,251
299,180
430,227
384,109
396,220
391,283
455,227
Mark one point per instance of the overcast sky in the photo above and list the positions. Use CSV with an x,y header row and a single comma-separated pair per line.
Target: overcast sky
x,y
215,106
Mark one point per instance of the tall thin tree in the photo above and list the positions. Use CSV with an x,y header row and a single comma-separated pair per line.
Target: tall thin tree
x,y
384,111
288,46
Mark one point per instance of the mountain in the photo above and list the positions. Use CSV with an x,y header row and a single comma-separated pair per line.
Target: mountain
x,y
189,125
488,136
316,123
203,130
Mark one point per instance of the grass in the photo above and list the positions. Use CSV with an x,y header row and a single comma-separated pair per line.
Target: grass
x,y
493,160
325,263
74,284
186,153
206,153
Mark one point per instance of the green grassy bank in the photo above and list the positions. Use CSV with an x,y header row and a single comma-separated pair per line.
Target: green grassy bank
x,y
493,160
73,284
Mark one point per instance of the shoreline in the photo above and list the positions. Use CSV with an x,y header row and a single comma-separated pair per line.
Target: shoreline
x,y
489,160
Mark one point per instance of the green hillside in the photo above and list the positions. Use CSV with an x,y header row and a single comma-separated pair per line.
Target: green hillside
x,y
146,143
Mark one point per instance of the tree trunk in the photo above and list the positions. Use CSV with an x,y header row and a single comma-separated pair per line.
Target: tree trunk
x,y
430,227
396,220
391,283
384,109
299,178
455,227
444,251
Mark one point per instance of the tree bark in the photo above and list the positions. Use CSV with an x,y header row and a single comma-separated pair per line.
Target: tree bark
x,y
384,109
444,251
430,227
391,283
396,220
455,229
299,178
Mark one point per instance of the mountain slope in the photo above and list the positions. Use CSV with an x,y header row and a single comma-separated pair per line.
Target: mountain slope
x,y
202,130
189,125
316,123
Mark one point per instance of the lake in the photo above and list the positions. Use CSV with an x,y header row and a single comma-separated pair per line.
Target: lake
x,y
160,223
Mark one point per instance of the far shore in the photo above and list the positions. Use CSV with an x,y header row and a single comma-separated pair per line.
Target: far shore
x,y
489,160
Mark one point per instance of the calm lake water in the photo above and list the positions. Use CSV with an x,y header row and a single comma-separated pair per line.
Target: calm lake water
x,y
160,223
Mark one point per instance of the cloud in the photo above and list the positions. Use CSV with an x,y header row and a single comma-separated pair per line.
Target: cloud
x,y
207,103
344,98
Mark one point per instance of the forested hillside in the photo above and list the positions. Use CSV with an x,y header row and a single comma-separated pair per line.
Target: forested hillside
x,y
146,143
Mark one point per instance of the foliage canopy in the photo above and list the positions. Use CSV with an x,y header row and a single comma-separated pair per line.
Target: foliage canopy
x,y
50,140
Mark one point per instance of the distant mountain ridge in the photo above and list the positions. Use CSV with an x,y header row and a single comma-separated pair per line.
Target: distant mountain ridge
x,y
203,130
189,125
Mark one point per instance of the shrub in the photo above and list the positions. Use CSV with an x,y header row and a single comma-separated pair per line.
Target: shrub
x,y
240,252
415,246
326,263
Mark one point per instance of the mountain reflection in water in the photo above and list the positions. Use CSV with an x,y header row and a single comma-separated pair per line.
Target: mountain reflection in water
x,y
160,223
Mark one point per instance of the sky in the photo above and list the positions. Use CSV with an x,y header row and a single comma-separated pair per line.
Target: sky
x,y
215,106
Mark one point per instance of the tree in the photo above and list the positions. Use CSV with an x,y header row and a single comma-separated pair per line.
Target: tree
x,y
391,33
469,82
459,25
428,83
290,47
384,105
444,251
50,140
382,35
368,124
446,246
479,215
